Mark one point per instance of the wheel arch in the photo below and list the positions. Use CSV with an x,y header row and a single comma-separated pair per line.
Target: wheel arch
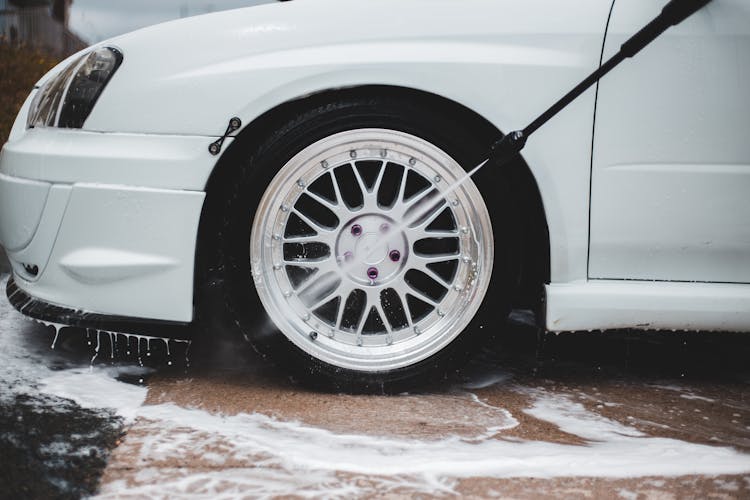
x,y
535,248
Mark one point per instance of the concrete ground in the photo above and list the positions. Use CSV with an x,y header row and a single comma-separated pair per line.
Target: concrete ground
x,y
591,415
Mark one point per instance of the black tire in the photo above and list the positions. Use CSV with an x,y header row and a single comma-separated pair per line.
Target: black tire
x,y
230,210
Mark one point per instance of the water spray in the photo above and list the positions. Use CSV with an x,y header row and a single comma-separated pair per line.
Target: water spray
x,y
505,150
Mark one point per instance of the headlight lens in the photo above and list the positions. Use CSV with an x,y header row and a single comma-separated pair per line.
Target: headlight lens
x,y
67,100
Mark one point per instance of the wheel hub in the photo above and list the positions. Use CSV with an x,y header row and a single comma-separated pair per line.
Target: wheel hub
x,y
369,251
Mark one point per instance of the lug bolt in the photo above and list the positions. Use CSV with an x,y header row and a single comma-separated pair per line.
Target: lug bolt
x,y
356,230
372,273
395,255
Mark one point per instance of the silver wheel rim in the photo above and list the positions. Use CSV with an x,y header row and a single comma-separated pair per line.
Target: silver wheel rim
x,y
378,280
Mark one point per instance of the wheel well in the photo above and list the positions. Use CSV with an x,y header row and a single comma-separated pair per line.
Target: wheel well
x,y
534,247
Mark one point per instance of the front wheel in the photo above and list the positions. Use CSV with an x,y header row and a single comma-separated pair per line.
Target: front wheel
x,y
370,250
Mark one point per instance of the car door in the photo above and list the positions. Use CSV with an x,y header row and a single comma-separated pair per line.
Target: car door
x,y
670,188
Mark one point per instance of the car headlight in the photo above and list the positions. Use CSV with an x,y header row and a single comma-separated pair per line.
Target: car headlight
x,y
67,99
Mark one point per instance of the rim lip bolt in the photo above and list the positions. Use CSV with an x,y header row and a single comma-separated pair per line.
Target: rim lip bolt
x,y
372,273
394,255
356,230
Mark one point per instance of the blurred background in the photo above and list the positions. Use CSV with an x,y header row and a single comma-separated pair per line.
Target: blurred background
x,y
37,34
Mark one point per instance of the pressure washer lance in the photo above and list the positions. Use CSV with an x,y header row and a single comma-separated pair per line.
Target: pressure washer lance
x,y
506,149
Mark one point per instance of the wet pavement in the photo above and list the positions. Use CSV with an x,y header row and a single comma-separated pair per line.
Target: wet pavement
x,y
616,415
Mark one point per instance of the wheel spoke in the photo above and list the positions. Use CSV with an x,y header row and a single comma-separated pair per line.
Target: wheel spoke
x,y
361,182
423,296
324,297
341,211
421,266
379,179
383,317
311,238
312,223
423,217
405,304
423,233
423,260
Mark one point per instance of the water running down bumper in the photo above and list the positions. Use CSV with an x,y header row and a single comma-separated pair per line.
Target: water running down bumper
x,y
50,313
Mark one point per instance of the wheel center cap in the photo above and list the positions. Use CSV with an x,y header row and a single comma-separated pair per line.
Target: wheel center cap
x,y
371,248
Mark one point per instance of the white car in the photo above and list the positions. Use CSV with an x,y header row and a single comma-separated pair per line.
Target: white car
x,y
267,168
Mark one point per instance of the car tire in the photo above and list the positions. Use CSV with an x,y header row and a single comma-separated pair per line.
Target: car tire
x,y
291,199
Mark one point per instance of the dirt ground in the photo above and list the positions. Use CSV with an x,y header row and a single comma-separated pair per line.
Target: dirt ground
x,y
655,391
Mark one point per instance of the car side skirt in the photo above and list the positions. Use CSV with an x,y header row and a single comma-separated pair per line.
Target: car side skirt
x,y
647,305
63,316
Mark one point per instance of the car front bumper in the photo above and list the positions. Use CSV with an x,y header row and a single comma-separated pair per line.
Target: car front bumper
x,y
104,223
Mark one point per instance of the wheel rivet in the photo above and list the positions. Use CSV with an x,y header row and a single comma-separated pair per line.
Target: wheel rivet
x,y
372,273
287,294
348,256
395,255
277,266
277,237
313,335
384,227
440,313
284,208
324,164
438,178
455,203
417,330
353,153
306,317
301,183
356,230
383,153
465,230
412,161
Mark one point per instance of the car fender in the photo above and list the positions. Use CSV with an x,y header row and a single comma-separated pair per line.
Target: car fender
x,y
506,66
